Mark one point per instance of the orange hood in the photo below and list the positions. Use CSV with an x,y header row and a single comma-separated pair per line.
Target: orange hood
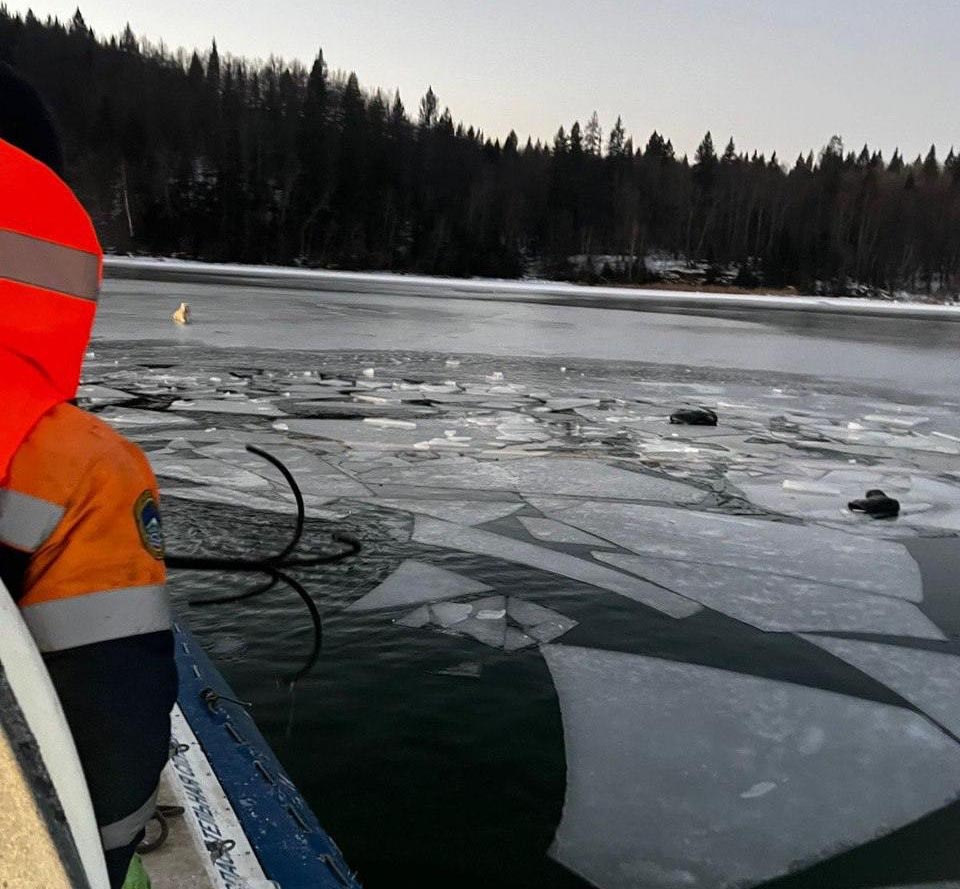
x,y
50,270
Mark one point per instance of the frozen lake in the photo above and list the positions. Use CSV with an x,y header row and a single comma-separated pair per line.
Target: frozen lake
x,y
581,645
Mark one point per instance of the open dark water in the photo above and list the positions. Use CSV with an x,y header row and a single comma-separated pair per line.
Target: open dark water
x,y
460,779
762,692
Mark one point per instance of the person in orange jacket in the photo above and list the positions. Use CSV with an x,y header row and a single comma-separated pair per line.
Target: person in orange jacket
x,y
81,541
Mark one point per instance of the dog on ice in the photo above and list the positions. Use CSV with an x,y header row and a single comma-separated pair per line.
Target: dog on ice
x,y
182,315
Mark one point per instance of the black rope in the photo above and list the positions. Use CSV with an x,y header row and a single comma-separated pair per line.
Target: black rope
x,y
317,625
273,566
301,511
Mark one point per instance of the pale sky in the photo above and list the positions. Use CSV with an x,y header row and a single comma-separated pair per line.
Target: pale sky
x,y
775,74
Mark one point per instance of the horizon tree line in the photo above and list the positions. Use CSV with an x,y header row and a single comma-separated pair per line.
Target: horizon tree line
x,y
227,159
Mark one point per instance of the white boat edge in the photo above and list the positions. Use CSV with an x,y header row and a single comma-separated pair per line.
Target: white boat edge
x,y
30,682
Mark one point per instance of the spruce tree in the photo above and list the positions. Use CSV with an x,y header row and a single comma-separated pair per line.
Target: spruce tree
x,y
427,117
615,142
705,163
313,153
576,139
561,144
592,136
706,156
213,71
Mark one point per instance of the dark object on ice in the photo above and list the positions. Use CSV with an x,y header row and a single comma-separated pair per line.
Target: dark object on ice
x,y
694,416
876,504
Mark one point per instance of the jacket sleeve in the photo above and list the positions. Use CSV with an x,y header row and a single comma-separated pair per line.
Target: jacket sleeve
x,y
95,601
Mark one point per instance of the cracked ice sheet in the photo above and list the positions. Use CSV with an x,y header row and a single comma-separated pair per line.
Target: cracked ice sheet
x,y
434,532
229,406
569,404
414,583
217,436
332,409
905,441
543,624
123,418
314,475
775,603
276,501
811,553
357,433
556,532
485,621
674,790
542,475
924,501
461,512
927,679
96,394
205,471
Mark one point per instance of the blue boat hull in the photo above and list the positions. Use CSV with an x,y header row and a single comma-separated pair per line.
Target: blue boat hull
x,y
291,846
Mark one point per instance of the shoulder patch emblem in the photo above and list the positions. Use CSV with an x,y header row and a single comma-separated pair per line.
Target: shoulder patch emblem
x,y
147,514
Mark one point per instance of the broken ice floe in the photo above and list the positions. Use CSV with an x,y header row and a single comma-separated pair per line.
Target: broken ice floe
x,y
497,621
96,395
553,531
314,475
371,433
223,406
668,794
543,475
124,418
462,512
927,679
198,436
570,404
415,582
352,410
758,790
172,464
925,502
793,550
439,533
777,603
275,501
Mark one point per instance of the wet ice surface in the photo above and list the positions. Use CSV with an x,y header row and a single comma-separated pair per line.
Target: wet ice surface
x,y
414,582
741,779
927,679
772,601
496,621
513,510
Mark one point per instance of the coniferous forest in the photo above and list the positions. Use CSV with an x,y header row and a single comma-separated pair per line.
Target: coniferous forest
x,y
219,158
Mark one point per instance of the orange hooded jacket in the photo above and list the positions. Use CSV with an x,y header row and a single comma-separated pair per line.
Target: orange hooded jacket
x,y
81,548
50,268
77,497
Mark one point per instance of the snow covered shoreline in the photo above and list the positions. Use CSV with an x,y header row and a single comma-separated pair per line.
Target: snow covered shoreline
x,y
548,292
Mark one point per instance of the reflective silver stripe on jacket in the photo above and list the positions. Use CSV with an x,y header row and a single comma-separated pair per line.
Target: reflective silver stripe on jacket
x,y
25,521
51,266
59,624
123,832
